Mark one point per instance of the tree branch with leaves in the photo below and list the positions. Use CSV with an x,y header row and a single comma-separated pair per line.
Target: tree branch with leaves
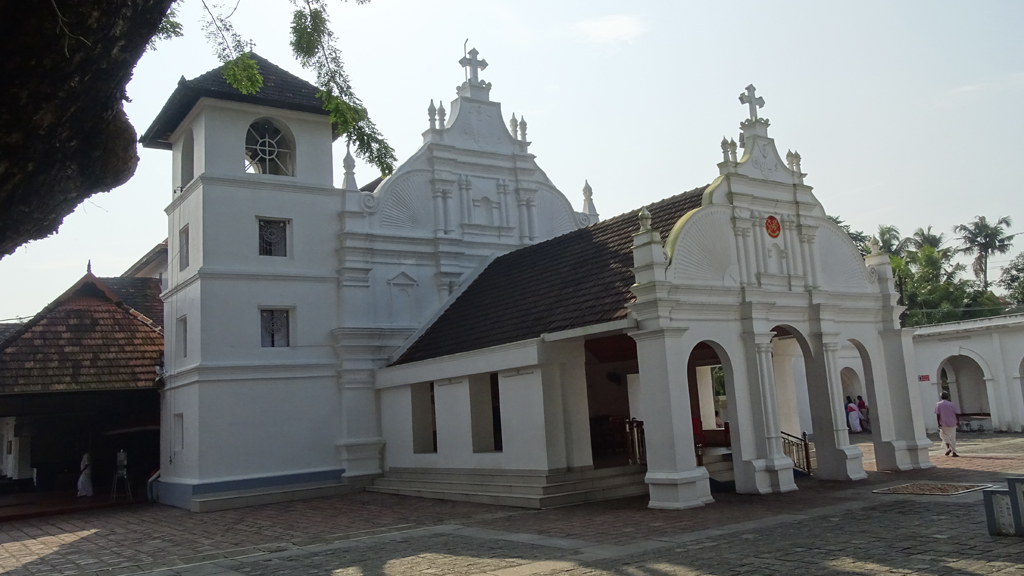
x,y
313,44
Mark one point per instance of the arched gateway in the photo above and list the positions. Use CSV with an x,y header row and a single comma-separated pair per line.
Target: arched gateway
x,y
739,297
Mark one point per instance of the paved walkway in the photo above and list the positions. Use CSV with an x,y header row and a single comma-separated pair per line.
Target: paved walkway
x,y
824,528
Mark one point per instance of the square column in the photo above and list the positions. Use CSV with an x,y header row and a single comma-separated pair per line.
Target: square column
x,y
673,477
837,459
901,443
771,471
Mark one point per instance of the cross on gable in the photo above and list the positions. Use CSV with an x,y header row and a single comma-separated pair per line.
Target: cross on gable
x,y
753,102
474,64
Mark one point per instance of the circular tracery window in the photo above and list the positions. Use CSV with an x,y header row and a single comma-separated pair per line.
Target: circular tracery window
x,y
267,149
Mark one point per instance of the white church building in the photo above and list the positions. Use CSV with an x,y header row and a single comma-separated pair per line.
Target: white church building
x,y
459,330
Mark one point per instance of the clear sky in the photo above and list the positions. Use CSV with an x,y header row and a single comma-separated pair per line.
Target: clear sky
x,y
900,110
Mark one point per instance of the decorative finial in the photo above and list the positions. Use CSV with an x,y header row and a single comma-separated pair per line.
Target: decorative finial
x,y
513,127
474,65
349,183
752,101
432,114
440,116
88,267
522,128
732,151
588,192
796,162
645,220
875,246
725,149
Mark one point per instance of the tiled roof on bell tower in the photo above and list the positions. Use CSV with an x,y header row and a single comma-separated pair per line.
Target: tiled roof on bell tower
x,y
281,89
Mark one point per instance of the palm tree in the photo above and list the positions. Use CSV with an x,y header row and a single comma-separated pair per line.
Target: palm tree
x,y
922,237
983,238
892,243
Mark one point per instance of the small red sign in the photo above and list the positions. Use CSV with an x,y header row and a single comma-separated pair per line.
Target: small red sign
x,y
924,378
772,226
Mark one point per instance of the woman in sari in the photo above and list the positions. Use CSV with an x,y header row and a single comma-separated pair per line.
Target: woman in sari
x,y
854,416
85,479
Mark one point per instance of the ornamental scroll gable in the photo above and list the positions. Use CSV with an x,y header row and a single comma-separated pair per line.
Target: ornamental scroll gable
x,y
472,180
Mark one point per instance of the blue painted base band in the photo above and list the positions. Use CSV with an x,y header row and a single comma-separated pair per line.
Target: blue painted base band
x,y
180,494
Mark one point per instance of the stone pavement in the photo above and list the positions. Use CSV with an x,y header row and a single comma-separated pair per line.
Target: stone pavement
x,y
824,528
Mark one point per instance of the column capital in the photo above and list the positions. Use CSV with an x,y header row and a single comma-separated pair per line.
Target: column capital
x,y
658,333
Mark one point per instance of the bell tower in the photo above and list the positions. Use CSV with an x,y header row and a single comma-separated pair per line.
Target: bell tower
x,y
250,396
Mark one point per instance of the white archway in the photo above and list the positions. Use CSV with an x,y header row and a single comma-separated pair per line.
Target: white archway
x,y
966,377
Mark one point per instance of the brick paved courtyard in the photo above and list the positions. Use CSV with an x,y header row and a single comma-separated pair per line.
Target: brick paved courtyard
x,y
824,528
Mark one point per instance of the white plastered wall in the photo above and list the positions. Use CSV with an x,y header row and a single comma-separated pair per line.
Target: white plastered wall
x,y
983,357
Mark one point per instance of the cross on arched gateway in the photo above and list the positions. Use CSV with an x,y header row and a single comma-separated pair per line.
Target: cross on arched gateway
x,y
753,102
474,64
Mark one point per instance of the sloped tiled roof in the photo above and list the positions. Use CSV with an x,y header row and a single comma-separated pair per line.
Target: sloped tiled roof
x,y
577,279
140,293
88,339
281,89
7,329
156,253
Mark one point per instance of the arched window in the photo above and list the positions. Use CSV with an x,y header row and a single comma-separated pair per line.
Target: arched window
x,y
268,150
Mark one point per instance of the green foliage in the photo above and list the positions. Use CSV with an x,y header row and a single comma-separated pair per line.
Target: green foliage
x,y
169,27
718,380
243,73
935,292
313,44
984,239
859,238
1012,279
890,240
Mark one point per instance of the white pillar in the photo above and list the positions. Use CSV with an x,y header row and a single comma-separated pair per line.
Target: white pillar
x,y
836,458
674,479
635,391
706,394
569,359
449,227
762,467
438,212
524,221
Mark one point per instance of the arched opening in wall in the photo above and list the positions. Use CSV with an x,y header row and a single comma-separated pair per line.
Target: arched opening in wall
x,y
789,359
613,401
859,396
188,158
852,386
269,149
709,375
964,379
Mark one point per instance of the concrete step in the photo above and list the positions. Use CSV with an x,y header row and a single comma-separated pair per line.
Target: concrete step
x,y
723,475
257,497
508,477
717,466
520,500
516,488
599,483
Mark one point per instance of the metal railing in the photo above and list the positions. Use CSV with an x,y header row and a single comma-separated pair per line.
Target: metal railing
x,y
798,448
636,442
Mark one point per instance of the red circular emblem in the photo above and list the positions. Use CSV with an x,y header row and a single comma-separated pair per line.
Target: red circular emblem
x,y
772,226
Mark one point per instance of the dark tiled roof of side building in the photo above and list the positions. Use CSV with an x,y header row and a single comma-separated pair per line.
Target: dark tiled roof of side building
x,y
85,340
578,279
281,89
6,329
140,293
